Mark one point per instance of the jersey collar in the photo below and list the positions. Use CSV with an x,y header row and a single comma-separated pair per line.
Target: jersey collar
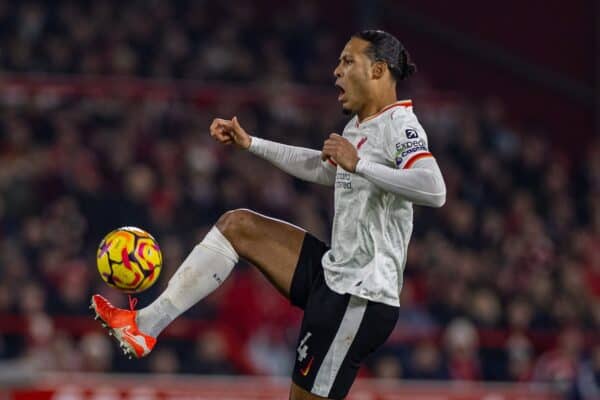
x,y
401,103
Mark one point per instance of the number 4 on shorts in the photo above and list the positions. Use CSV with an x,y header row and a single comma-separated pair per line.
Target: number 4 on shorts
x,y
303,347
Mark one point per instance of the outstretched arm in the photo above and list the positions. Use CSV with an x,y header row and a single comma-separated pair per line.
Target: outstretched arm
x,y
300,162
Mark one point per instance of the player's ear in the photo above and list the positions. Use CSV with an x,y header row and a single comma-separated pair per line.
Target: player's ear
x,y
378,69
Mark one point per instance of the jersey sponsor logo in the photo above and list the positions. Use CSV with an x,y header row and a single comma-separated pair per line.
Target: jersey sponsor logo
x,y
411,133
405,149
402,146
343,180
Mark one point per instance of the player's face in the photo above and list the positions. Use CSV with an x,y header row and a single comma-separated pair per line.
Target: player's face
x,y
353,74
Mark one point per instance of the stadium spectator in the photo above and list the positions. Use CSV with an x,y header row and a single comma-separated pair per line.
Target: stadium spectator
x,y
211,354
587,383
388,367
427,362
462,348
559,365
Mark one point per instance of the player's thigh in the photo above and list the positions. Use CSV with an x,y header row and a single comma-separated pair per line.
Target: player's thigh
x,y
270,244
297,393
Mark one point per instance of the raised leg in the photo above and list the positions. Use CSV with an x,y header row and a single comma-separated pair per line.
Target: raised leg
x,y
272,245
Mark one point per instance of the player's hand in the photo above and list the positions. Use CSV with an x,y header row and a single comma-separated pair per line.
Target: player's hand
x,y
341,151
230,131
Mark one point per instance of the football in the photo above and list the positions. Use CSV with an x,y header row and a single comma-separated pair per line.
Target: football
x,y
129,259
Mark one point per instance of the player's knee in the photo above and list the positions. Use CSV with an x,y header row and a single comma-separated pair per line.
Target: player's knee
x,y
237,225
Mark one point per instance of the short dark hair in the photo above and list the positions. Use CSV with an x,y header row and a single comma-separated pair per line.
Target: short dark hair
x,y
386,47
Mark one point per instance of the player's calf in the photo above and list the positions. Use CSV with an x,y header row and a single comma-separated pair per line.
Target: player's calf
x,y
201,273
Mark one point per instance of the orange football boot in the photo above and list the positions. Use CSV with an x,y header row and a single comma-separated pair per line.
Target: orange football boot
x,y
122,325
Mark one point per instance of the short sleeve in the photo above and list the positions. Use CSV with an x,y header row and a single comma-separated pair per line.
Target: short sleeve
x,y
406,142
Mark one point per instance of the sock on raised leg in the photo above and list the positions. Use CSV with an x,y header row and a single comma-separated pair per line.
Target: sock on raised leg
x,y
203,271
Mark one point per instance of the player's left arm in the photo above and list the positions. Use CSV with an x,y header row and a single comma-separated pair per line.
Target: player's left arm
x,y
421,184
416,176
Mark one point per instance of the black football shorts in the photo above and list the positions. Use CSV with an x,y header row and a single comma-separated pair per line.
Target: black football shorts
x,y
338,330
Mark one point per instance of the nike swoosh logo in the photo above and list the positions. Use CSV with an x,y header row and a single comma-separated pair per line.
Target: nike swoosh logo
x,y
137,339
306,369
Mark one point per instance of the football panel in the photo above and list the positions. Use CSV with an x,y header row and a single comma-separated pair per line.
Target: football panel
x,y
120,243
126,275
104,269
150,280
147,253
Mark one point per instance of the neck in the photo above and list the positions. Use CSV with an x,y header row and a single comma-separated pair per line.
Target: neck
x,y
376,104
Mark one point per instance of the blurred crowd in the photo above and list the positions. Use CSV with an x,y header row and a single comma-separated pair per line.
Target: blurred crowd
x,y
502,283
168,39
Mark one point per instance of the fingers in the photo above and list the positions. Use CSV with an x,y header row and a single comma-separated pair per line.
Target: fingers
x,y
235,124
332,144
330,150
219,123
336,140
219,126
339,151
220,130
241,137
221,136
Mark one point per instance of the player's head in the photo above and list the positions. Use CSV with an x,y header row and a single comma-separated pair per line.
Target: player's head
x,y
371,61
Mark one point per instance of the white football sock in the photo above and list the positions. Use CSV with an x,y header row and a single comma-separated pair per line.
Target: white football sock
x,y
204,270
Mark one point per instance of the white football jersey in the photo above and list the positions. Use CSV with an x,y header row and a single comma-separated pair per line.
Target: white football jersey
x,y
372,227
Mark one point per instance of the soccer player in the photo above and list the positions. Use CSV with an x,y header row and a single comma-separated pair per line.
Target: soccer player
x,y
379,167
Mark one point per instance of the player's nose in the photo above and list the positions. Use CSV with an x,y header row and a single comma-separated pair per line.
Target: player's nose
x,y
337,72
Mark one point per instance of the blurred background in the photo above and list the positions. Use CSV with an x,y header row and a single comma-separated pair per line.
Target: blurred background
x,y
104,115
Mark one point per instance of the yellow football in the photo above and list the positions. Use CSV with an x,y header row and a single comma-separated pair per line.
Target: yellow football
x,y
129,259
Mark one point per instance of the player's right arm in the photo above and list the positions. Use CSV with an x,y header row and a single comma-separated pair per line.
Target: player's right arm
x,y
303,163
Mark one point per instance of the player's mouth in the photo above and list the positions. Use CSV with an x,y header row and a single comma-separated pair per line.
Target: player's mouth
x,y
342,92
